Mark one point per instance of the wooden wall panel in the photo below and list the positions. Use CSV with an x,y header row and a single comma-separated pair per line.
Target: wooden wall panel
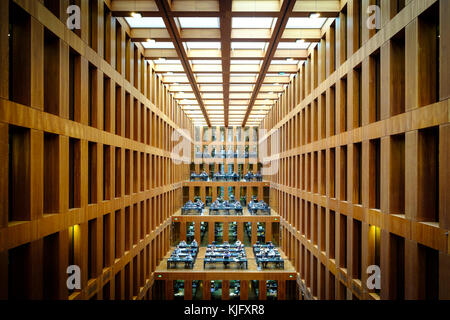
x,y
42,225
444,54
406,233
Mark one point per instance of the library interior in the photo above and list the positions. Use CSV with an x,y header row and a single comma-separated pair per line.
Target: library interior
x,y
224,149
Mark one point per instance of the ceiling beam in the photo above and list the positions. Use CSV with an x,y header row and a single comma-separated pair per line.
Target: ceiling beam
x,y
217,68
238,54
174,32
214,35
211,8
278,30
225,32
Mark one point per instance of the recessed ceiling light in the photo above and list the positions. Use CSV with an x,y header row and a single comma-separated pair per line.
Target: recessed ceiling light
x,y
136,15
314,15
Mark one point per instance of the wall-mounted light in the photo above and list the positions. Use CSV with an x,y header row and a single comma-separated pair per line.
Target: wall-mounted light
x,y
289,59
136,15
151,41
314,15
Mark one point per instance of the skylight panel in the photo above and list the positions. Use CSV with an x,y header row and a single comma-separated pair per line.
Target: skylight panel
x,y
256,115
157,45
253,23
293,45
208,74
243,74
165,61
276,74
212,107
248,45
147,22
237,107
305,23
232,61
197,22
192,112
203,45
287,61
215,112
206,61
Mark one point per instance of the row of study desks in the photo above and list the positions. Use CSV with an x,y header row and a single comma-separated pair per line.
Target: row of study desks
x,y
259,208
212,211
226,155
266,254
242,262
222,210
183,254
248,177
226,254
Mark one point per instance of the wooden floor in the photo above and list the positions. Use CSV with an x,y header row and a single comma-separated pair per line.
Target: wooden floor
x,y
218,271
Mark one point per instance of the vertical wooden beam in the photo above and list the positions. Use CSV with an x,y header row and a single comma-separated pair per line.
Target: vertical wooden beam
x,y
244,289
183,226
444,178
206,290
4,49
169,289
36,174
4,174
262,290
412,175
225,289
37,64
254,233
444,50
412,67
188,290
226,230
444,276
225,31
